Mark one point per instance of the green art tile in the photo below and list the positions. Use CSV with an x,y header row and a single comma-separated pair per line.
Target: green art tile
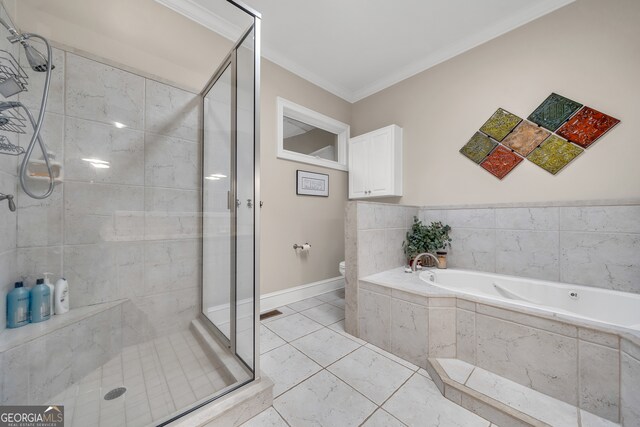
x,y
554,111
478,147
500,124
554,154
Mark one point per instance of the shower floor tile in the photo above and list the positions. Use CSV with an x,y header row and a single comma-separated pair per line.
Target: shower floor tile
x,y
162,377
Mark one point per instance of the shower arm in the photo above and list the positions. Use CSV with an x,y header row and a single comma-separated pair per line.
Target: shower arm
x,y
9,28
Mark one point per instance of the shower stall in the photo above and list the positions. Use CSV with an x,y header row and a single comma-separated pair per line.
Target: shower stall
x,y
144,195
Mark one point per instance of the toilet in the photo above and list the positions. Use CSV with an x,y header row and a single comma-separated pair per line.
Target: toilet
x,y
341,268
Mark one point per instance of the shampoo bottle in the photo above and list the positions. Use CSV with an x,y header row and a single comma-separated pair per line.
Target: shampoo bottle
x,y
40,302
61,296
17,306
51,291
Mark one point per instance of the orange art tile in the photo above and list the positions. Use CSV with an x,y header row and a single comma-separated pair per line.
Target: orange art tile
x,y
587,126
501,162
525,137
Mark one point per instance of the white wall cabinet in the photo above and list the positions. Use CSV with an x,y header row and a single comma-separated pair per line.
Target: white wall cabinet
x,y
375,164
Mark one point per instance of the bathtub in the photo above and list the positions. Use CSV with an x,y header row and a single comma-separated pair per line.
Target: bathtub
x,y
616,308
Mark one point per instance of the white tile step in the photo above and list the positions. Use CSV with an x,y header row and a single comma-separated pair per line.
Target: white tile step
x,y
516,402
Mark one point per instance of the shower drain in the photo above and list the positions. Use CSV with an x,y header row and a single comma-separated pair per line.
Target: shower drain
x,y
115,393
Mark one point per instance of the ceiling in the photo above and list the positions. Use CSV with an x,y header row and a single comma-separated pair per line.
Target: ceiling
x,y
355,48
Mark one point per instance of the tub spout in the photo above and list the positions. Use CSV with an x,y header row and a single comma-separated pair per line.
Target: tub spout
x,y
427,254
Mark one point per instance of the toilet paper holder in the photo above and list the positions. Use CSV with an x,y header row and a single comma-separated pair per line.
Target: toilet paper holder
x,y
303,246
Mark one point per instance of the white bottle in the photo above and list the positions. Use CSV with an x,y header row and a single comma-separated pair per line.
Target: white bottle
x,y
51,291
61,296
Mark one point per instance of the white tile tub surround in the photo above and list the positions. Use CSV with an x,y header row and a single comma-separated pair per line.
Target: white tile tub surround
x,y
630,384
594,244
374,233
581,365
411,328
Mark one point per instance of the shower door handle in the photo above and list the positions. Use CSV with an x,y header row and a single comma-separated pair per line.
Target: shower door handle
x,y
229,197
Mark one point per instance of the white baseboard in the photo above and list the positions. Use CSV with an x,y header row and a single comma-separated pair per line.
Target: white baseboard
x,y
287,296
220,314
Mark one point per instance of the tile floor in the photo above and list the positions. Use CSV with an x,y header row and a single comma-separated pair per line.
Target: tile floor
x,y
161,376
326,377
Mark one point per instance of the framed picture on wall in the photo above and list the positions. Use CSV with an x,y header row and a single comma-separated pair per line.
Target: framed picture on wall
x,y
312,184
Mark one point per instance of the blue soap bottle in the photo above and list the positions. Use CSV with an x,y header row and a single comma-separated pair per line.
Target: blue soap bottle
x,y
40,302
17,306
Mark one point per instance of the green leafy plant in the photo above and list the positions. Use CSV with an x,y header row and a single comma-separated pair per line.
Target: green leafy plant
x,y
426,238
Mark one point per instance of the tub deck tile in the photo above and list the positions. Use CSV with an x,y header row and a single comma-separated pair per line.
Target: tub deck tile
x,y
524,399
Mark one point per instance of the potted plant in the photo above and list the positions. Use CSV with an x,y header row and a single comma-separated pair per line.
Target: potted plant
x,y
433,238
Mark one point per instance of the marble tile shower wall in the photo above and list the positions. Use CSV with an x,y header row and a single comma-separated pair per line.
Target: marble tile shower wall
x,y
587,245
8,219
129,231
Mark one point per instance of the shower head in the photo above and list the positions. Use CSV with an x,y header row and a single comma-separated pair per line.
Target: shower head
x,y
37,61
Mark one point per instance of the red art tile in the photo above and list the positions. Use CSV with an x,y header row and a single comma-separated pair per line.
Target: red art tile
x,y
501,162
586,127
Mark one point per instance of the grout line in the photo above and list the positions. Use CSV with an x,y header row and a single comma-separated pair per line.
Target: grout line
x,y
282,417
402,385
469,376
413,372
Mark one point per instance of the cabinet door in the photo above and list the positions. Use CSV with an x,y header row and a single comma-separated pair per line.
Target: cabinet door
x,y
358,167
380,159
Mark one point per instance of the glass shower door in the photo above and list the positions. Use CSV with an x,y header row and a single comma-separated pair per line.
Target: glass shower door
x,y
229,200
246,205
217,204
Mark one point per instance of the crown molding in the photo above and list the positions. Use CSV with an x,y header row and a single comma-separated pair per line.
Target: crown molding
x,y
208,19
204,17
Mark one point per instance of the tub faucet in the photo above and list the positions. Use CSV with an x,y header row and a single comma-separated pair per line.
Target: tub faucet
x,y
427,254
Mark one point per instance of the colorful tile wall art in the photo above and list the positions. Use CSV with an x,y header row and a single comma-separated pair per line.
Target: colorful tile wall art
x,y
557,132
554,111
478,147
525,138
500,124
554,154
501,161
587,126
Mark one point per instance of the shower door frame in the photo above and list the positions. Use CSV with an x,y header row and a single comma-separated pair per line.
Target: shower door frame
x,y
231,61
